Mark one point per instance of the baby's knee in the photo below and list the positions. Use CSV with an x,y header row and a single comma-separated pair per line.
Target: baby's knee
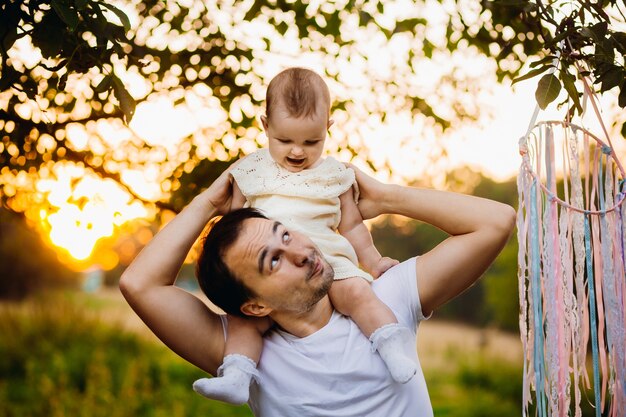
x,y
356,290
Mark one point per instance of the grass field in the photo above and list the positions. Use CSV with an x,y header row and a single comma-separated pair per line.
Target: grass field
x,y
89,355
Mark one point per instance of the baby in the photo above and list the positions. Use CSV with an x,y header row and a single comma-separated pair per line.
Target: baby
x,y
291,183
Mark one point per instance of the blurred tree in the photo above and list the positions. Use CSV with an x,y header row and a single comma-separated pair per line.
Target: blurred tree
x,y
500,305
70,64
493,300
26,263
574,38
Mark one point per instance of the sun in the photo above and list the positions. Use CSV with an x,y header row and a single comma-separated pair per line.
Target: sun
x,y
82,209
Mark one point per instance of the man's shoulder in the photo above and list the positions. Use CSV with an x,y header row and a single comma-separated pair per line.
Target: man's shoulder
x,y
397,288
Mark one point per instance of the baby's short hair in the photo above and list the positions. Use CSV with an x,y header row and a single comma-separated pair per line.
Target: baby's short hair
x,y
299,92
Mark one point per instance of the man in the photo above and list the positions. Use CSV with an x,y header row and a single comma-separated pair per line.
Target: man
x,y
316,362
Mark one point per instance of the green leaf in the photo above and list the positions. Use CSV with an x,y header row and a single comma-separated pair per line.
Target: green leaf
x,y
600,30
9,22
56,67
282,28
8,36
548,90
80,4
364,18
48,35
103,85
611,78
568,83
620,41
254,10
558,38
428,49
62,81
621,101
408,25
67,14
548,58
624,130
532,73
587,33
8,76
127,102
30,88
120,15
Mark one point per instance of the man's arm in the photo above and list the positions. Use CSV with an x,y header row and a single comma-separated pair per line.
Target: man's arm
x,y
181,320
478,229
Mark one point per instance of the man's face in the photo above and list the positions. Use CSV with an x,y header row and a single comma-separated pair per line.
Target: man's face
x,y
284,269
296,143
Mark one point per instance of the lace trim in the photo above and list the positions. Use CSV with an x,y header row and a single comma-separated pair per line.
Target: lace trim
x,y
258,174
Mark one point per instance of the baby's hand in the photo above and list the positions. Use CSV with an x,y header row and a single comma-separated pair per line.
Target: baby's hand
x,y
383,264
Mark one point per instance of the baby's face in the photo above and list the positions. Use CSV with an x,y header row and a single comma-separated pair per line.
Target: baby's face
x,y
296,143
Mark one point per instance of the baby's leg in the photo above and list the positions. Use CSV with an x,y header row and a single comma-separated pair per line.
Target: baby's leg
x,y
241,354
354,297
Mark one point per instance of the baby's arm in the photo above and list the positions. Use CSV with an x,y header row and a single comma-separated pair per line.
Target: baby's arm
x,y
238,200
353,229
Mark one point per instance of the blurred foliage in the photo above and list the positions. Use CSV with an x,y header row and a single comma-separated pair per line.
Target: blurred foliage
x,y
26,262
69,64
59,360
579,38
480,385
483,384
493,300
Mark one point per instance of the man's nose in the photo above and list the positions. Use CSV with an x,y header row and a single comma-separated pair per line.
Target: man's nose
x,y
299,256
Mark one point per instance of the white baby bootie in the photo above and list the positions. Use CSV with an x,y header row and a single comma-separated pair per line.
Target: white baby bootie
x,y
391,341
232,384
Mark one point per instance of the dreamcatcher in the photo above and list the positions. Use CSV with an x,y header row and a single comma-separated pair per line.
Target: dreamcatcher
x,y
572,286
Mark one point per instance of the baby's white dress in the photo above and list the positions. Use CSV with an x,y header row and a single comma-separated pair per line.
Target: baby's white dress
x,y
305,201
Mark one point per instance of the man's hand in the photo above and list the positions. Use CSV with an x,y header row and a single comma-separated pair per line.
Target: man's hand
x,y
220,192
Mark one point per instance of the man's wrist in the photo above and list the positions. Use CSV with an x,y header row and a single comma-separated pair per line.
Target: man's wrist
x,y
390,195
203,202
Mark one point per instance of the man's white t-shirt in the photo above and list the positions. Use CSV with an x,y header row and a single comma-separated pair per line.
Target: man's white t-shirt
x,y
334,372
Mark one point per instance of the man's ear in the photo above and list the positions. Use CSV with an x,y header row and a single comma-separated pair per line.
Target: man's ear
x,y
264,122
253,309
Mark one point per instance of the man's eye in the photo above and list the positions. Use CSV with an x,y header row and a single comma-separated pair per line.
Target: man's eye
x,y
274,262
286,237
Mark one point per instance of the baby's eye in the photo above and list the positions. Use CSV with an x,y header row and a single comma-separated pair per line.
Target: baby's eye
x,y
312,142
283,140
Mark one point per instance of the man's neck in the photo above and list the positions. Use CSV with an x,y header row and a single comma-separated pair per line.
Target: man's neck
x,y
305,323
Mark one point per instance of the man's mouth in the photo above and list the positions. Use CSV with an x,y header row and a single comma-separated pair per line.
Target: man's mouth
x,y
316,267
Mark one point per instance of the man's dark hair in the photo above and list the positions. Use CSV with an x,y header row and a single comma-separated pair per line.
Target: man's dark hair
x,y
216,280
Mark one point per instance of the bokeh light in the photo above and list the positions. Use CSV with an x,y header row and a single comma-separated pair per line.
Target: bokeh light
x,y
83,209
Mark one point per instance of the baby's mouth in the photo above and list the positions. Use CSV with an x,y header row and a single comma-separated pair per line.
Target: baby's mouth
x,y
295,162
